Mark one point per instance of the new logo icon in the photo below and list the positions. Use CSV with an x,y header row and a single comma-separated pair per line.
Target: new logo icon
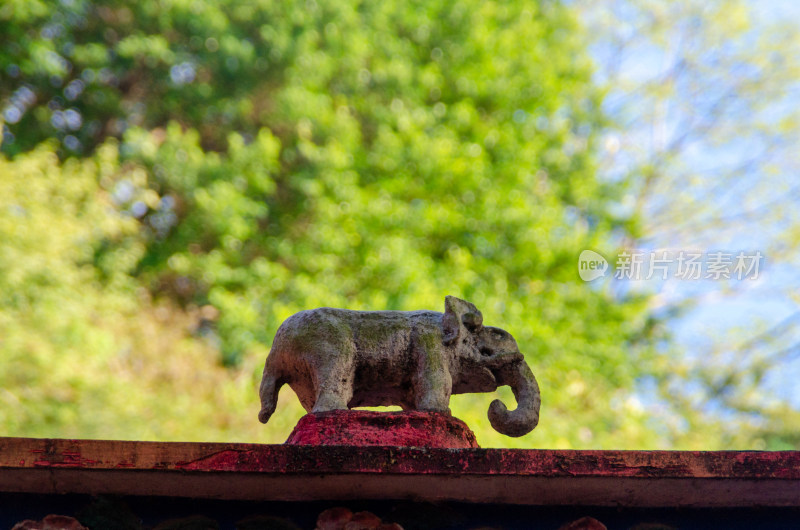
x,y
591,265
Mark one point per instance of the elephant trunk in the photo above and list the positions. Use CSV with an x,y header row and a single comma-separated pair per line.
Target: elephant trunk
x,y
524,418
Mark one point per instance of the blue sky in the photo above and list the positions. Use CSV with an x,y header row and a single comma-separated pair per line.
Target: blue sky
x,y
700,202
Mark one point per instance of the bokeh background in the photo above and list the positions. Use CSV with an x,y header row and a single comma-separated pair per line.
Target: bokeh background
x,y
179,176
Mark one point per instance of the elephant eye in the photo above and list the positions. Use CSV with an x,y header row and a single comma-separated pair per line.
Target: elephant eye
x,y
486,352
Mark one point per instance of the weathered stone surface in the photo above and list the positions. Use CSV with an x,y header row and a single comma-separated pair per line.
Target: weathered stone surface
x,y
334,519
335,359
363,427
363,521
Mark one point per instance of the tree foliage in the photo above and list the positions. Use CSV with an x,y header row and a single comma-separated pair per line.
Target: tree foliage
x,y
702,98
182,176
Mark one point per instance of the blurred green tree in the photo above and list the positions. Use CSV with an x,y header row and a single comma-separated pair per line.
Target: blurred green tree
x,y
704,122
243,161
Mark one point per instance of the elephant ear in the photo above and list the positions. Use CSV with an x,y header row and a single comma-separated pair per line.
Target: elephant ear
x,y
459,315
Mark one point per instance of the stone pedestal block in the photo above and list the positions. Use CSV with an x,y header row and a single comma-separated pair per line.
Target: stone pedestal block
x,y
365,428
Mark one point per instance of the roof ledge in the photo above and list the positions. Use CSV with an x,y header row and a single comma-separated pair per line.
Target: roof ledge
x,y
310,473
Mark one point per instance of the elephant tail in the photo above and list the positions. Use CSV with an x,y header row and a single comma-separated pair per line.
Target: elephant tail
x,y
270,385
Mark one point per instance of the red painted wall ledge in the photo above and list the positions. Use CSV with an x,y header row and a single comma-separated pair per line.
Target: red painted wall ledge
x,y
306,473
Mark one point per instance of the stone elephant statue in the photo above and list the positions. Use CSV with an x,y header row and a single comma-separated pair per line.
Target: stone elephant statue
x,y
336,359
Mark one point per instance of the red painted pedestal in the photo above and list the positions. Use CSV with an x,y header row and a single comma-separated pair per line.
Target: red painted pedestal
x,y
364,428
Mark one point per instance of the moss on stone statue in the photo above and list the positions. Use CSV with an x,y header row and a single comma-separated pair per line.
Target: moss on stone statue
x,y
335,358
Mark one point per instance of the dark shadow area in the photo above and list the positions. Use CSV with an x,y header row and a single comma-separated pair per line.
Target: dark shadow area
x,y
139,513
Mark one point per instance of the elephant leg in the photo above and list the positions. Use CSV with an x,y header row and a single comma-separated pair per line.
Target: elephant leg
x,y
334,394
433,390
335,386
432,382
